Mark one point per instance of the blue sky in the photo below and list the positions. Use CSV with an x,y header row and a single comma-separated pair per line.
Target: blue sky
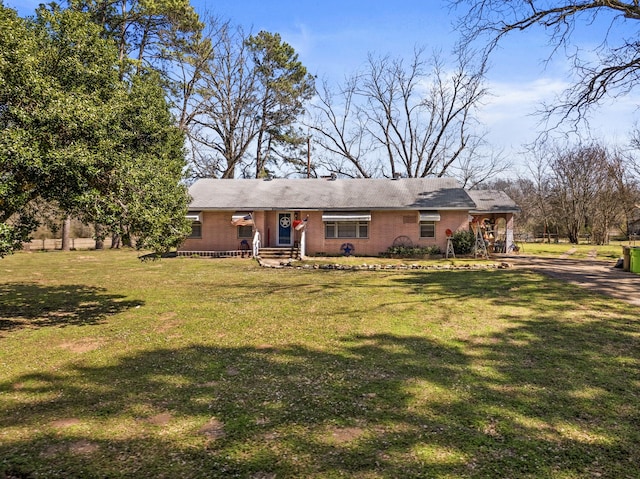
x,y
334,37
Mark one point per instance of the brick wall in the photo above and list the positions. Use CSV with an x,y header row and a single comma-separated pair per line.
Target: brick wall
x,y
384,228
218,234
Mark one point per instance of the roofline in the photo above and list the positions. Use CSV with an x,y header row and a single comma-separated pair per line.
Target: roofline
x,y
377,208
479,212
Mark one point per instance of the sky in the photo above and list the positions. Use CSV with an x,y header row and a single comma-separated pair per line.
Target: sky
x,y
333,39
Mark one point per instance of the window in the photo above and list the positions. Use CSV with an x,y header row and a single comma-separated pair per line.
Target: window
x,y
245,231
346,229
428,223
196,223
346,224
196,229
427,229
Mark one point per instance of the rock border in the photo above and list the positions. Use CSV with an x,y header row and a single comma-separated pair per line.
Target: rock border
x,y
293,264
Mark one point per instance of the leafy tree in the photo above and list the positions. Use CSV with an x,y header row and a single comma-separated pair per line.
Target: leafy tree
x,y
65,117
56,73
145,198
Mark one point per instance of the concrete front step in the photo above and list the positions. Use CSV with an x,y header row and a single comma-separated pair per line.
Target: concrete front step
x,y
279,253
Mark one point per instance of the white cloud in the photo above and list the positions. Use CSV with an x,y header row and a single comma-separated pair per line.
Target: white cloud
x,y
508,101
509,115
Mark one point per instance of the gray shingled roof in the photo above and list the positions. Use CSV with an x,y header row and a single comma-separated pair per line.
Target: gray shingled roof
x,y
323,194
492,201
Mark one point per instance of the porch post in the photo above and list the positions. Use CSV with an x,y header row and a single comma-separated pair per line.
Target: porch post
x,y
256,244
303,243
510,238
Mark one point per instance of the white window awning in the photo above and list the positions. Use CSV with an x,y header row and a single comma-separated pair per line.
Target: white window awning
x,y
332,216
194,216
429,216
242,218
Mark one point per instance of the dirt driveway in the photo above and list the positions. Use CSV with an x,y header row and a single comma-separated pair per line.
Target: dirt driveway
x,y
597,275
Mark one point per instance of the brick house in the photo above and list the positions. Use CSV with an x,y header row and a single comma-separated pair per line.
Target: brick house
x,y
335,216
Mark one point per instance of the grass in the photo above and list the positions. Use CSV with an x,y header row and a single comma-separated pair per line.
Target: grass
x,y
200,368
582,250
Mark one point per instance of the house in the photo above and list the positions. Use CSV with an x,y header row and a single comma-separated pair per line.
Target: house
x,y
335,216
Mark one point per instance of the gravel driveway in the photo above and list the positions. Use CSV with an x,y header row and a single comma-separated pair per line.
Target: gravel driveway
x,y
597,275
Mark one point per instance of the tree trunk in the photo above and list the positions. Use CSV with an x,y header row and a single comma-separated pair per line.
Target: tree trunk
x,y
66,234
115,241
99,235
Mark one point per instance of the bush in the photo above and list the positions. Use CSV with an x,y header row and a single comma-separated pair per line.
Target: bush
x,y
412,251
463,241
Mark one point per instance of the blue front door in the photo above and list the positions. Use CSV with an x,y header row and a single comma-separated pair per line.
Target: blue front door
x,y
285,229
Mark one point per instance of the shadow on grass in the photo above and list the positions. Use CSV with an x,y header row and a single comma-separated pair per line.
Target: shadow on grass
x,y
542,398
32,305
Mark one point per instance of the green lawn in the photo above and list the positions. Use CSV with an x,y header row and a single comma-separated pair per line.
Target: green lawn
x,y
583,250
198,368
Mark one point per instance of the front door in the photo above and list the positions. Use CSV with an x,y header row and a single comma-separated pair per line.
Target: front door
x,y
285,229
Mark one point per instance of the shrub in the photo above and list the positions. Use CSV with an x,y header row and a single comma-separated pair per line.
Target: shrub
x,y
463,241
412,251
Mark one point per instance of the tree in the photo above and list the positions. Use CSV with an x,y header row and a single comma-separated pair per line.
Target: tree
x,y
623,171
540,194
146,199
283,85
143,29
416,118
612,69
240,94
584,193
186,74
224,125
56,74
65,116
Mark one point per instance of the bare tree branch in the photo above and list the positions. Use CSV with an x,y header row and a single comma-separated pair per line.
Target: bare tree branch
x,y
609,71
414,119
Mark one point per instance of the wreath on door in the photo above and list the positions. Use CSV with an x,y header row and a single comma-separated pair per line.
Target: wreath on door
x,y
285,221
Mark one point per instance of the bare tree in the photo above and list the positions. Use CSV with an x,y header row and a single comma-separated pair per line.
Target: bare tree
x,y
339,131
219,111
573,189
412,119
542,192
584,193
612,69
622,171
237,98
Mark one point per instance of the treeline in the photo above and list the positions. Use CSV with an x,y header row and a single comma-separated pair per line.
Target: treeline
x,y
577,192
